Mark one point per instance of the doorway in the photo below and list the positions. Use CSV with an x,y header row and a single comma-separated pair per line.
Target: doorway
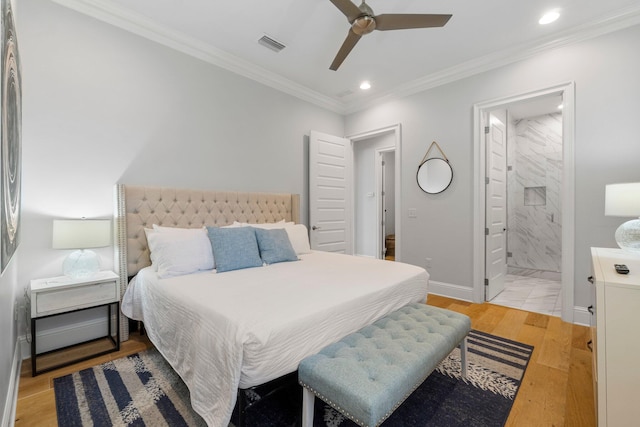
x,y
332,193
524,165
377,193
532,200
374,195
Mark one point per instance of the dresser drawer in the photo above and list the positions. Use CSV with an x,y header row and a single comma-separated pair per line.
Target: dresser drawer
x,y
72,298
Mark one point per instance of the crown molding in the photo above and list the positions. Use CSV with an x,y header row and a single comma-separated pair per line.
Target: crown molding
x,y
619,20
142,26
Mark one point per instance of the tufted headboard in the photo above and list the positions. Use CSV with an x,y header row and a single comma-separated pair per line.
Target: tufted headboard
x,y
140,207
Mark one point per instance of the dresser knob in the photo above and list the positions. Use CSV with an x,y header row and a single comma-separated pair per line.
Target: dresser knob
x,y
590,279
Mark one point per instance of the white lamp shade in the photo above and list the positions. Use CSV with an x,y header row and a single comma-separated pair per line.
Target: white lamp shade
x,y
622,199
81,233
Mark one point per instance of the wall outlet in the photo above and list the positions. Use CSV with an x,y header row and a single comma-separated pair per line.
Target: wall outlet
x,y
427,262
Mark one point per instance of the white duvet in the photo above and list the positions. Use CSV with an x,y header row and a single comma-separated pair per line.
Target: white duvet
x,y
246,327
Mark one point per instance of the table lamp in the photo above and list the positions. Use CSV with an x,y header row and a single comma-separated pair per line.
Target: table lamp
x,y
81,234
624,200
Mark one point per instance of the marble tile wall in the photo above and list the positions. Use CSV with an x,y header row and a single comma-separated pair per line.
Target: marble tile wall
x,y
534,185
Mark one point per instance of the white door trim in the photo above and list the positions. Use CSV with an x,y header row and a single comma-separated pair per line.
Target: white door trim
x,y
567,90
397,131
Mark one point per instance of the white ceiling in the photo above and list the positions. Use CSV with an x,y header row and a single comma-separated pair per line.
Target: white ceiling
x,y
482,34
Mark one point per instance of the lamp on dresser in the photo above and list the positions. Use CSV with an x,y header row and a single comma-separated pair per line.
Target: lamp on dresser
x,y
624,200
81,235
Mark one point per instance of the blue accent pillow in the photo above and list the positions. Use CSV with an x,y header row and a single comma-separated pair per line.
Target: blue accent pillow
x,y
275,246
234,248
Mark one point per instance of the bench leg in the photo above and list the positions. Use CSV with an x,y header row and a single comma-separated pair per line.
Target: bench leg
x,y
308,400
463,357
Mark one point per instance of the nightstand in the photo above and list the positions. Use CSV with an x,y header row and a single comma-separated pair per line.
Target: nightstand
x,y
62,295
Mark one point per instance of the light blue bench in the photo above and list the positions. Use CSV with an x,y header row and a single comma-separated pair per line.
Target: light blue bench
x,y
369,373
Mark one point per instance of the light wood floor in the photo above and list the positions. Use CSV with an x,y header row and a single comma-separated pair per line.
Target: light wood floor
x,y
556,390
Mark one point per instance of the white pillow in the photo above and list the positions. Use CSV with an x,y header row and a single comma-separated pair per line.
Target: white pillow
x,y
148,232
178,251
264,225
299,237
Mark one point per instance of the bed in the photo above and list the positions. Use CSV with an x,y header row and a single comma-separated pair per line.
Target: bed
x,y
222,331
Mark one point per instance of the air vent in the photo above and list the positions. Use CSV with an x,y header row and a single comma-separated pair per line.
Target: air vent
x,y
345,93
270,43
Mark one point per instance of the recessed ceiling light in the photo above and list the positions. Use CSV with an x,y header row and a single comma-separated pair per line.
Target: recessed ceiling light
x,y
549,17
365,85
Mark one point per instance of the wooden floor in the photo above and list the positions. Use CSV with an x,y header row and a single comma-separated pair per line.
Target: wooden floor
x,y
556,390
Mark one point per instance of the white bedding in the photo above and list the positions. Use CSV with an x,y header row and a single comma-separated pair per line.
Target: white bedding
x,y
246,327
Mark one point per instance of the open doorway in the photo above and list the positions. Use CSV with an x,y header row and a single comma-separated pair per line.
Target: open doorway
x,y
333,192
377,193
524,192
531,196
374,207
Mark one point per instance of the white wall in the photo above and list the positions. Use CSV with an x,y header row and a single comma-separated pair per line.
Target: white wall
x,y
605,70
8,294
102,106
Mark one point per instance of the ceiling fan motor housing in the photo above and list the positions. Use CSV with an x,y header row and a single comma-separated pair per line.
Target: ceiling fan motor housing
x,y
363,25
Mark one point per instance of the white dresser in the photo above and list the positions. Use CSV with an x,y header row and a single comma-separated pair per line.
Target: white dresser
x,y
616,337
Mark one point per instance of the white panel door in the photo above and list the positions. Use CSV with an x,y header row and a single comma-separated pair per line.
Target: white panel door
x,y
330,175
496,206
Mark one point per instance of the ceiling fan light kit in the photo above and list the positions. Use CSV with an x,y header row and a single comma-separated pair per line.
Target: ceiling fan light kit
x,y
363,21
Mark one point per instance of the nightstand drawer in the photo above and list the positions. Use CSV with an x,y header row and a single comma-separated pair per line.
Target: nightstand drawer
x,y
67,299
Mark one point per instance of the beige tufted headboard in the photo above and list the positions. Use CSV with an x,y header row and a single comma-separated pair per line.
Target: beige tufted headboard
x,y
139,207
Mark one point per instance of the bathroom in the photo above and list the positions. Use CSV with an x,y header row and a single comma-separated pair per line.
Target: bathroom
x,y
534,181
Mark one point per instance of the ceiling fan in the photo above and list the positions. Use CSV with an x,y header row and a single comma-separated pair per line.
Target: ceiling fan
x,y
363,21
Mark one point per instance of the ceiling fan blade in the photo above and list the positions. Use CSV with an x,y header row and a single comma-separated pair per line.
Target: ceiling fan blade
x,y
347,46
350,10
401,21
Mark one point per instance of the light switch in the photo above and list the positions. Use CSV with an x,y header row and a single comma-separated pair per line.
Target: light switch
x,y
413,213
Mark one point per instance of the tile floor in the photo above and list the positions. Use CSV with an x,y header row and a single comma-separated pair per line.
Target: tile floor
x,y
531,294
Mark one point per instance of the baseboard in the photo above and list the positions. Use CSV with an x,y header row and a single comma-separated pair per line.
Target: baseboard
x,y
9,412
450,290
581,316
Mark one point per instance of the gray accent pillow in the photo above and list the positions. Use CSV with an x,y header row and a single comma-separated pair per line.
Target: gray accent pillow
x,y
275,246
234,248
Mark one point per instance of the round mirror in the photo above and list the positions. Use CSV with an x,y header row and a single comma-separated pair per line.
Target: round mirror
x,y
434,175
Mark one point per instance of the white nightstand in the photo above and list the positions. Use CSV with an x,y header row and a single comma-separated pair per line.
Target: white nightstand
x,y
60,295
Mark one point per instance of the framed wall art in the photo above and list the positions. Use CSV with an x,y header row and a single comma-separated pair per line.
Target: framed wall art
x,y
11,141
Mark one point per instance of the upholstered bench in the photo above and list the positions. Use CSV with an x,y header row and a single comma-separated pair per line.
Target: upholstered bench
x,y
369,373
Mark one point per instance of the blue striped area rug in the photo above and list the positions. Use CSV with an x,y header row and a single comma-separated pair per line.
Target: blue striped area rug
x,y
143,390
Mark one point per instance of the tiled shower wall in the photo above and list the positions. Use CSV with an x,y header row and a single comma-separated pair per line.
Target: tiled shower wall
x,y
534,185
